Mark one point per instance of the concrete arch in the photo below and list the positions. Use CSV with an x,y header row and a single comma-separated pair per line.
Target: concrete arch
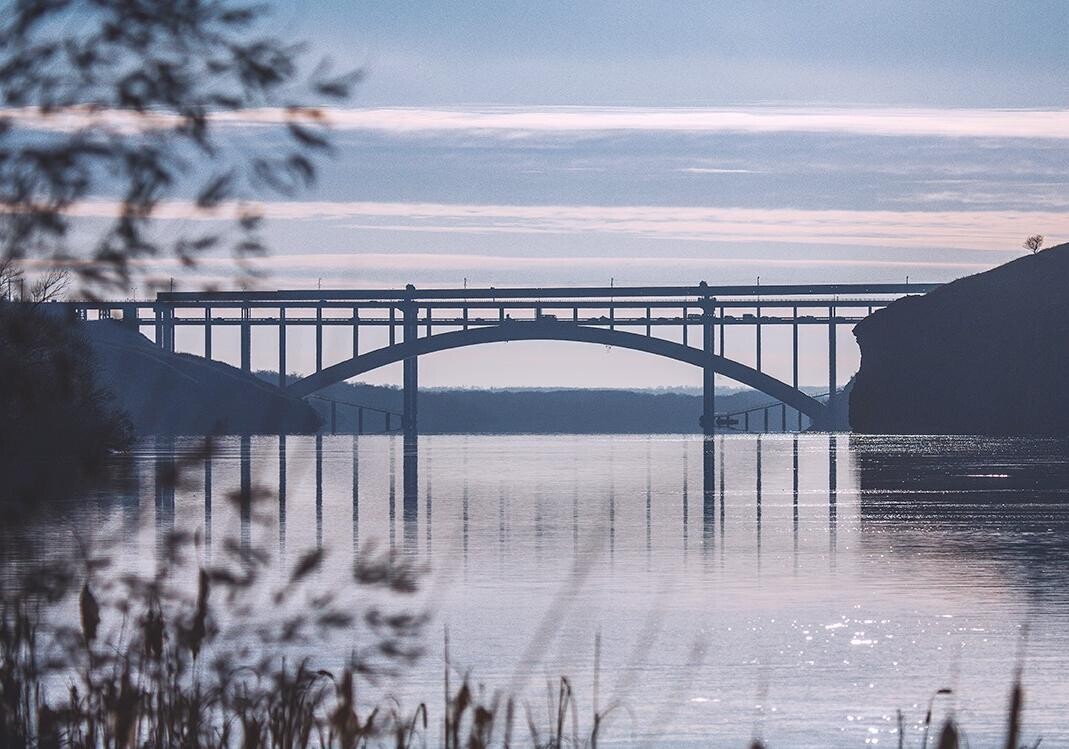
x,y
559,331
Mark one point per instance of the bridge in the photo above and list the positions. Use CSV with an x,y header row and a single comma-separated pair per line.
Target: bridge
x,y
683,323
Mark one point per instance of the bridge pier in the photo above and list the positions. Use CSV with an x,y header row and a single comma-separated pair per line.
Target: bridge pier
x,y
165,327
282,347
246,340
794,359
757,333
129,317
356,332
410,378
319,339
207,332
708,418
832,376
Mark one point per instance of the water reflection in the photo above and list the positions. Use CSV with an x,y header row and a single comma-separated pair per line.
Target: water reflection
x,y
393,492
612,503
464,499
164,473
356,493
708,491
208,497
840,561
428,511
686,498
757,498
416,480
833,490
971,483
1003,500
410,491
319,490
245,496
794,498
282,495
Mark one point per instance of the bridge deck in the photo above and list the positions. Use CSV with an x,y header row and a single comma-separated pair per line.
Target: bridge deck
x,y
546,293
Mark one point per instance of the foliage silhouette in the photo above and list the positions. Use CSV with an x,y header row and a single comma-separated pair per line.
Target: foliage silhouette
x,y
56,425
114,109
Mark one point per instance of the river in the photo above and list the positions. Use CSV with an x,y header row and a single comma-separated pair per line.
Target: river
x,y
800,588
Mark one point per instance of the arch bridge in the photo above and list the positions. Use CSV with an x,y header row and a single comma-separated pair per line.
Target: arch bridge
x,y
683,323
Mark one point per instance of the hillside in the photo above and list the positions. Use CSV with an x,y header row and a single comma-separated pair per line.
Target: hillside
x,y
986,354
165,393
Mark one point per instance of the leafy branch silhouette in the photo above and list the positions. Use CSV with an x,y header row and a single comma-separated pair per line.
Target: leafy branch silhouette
x,y
114,110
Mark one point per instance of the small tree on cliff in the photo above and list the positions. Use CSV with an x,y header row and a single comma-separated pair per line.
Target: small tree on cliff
x,y
1034,243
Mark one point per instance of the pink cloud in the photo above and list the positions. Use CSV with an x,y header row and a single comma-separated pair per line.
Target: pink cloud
x,y
515,121
999,231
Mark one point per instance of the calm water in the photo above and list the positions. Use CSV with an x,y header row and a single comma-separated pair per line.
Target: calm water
x,y
800,588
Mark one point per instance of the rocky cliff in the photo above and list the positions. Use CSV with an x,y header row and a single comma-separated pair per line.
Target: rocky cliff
x,y
165,393
986,354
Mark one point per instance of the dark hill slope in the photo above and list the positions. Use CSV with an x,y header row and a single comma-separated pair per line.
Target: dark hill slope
x,y
165,393
986,354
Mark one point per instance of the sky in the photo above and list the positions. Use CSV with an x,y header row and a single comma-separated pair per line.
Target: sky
x,y
518,143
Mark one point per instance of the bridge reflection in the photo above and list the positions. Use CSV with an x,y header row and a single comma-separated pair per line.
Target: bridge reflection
x,y
633,494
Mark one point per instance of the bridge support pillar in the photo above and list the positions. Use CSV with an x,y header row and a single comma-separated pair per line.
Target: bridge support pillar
x,y
165,327
319,339
207,332
708,418
282,347
356,332
832,347
410,376
129,317
757,331
246,340
168,330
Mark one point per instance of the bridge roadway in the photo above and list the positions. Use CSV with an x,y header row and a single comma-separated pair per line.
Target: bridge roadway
x,y
631,317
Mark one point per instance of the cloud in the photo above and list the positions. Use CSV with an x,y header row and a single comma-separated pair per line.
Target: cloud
x,y
716,170
420,261
953,123
357,269
994,230
1049,124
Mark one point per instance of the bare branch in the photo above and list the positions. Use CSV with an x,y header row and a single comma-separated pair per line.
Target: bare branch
x,y
11,278
51,286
